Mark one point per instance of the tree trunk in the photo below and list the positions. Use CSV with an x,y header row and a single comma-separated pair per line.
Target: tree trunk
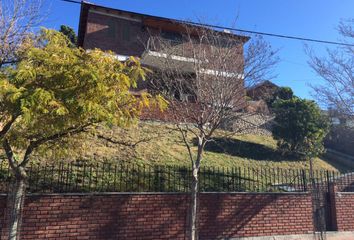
x,y
193,205
15,201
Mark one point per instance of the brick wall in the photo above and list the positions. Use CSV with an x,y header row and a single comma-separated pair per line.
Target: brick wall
x,y
344,203
162,216
109,33
242,215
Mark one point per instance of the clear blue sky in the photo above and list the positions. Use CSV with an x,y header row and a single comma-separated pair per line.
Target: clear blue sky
x,y
307,18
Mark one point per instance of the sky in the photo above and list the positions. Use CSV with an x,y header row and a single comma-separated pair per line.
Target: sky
x,y
306,18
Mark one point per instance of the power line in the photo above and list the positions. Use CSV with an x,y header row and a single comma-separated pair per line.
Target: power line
x,y
272,34
71,1
252,32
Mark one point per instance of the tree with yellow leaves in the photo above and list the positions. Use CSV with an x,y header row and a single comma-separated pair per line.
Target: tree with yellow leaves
x,y
56,92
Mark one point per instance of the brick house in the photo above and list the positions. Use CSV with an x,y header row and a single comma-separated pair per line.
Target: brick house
x,y
259,95
262,91
133,34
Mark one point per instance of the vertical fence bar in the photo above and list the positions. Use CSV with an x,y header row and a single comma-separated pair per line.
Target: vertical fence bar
x,y
121,177
304,182
179,175
169,179
233,179
90,178
298,180
239,179
51,188
248,178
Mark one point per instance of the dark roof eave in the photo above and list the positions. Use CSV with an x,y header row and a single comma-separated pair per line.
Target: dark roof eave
x,y
82,23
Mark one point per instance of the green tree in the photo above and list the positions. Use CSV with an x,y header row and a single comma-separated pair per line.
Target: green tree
x,y
69,33
284,93
300,127
56,92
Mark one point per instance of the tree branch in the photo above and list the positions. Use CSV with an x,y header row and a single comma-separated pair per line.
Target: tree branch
x,y
9,154
7,126
127,144
184,137
35,144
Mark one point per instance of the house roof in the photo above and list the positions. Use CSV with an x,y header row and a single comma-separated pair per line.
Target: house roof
x,y
148,20
263,84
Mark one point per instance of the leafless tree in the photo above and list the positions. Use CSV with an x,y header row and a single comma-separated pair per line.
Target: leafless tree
x,y
17,20
203,73
337,71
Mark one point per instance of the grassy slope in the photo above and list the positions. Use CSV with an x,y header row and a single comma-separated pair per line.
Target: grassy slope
x,y
163,146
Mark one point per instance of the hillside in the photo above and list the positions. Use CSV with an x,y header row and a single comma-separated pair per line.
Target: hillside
x,y
160,144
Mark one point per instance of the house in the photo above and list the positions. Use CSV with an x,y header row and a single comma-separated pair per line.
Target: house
x,y
259,95
135,34
262,91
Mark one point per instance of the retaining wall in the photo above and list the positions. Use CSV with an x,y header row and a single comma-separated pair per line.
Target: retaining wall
x,y
344,204
161,216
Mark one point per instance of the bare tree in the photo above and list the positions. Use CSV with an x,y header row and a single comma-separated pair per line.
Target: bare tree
x,y
337,71
17,20
203,73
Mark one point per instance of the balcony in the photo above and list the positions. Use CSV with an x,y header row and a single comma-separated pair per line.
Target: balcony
x,y
163,53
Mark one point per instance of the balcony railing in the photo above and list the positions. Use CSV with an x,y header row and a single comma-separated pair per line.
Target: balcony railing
x,y
178,54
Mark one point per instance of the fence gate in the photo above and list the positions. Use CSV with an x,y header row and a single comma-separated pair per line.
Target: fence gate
x,y
322,213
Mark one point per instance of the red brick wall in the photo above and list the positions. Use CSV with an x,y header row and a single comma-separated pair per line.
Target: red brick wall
x,y
239,215
345,211
104,217
162,216
109,33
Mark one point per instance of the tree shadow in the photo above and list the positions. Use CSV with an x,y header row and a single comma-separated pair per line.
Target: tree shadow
x,y
106,216
244,215
244,149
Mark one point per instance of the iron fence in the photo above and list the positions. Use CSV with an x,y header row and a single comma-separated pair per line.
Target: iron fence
x,y
122,177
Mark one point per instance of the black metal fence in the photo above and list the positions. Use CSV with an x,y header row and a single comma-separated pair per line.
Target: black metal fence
x,y
121,177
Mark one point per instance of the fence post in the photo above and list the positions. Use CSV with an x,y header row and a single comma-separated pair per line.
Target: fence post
x,y
332,190
304,180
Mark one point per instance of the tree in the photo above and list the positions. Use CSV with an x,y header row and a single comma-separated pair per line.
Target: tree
x,y
56,92
337,71
300,127
283,93
17,20
203,73
69,33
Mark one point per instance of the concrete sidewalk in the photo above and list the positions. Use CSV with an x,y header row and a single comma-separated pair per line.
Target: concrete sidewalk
x,y
325,236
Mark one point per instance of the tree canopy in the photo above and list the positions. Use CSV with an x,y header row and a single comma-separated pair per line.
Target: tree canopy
x,y
69,33
56,91
283,93
300,127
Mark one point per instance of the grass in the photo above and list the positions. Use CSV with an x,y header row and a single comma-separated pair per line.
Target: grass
x,y
160,144
155,144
